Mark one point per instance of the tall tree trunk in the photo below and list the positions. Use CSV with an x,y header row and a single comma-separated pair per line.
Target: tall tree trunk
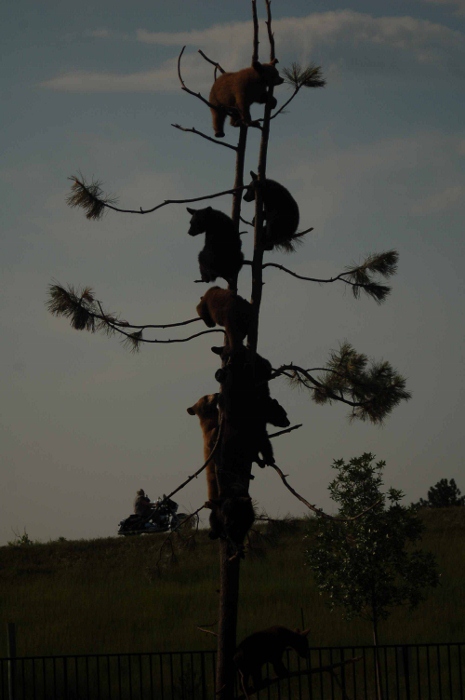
x,y
379,690
229,599
229,567
257,262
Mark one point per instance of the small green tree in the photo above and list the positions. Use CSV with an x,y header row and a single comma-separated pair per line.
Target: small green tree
x,y
443,495
366,565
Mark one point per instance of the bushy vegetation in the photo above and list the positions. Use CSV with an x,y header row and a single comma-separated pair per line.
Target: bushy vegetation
x,y
369,565
443,495
109,595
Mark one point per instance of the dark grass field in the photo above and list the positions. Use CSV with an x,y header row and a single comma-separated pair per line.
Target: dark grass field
x,y
121,595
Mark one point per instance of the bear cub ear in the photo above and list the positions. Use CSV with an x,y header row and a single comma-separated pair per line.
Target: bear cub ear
x,y
191,211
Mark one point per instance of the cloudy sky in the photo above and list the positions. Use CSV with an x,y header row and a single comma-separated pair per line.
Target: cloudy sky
x,y
376,162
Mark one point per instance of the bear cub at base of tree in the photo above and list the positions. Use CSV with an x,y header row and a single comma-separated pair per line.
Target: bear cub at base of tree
x,y
281,214
267,646
241,89
223,307
221,255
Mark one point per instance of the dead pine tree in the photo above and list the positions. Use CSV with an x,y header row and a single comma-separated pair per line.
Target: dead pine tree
x,y
240,437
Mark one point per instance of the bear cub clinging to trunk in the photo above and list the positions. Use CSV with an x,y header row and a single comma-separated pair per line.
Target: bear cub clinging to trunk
x,y
239,90
206,408
281,214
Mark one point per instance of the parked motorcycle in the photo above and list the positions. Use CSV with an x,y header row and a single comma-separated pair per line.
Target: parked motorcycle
x,y
164,517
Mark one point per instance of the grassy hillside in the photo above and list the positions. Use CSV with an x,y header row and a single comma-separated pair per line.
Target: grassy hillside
x,y
108,595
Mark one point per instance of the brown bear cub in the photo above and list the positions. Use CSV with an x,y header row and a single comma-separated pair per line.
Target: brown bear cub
x,y
221,255
223,307
230,518
237,91
206,409
281,214
267,645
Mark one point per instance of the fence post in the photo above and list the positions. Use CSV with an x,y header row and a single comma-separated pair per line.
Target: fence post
x,y
308,660
406,664
11,651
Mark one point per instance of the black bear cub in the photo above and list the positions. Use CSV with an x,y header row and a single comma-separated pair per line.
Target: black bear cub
x,y
281,214
221,255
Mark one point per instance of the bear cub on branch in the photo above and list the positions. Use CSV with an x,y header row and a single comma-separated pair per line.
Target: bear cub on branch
x,y
206,409
237,91
223,307
268,646
221,255
281,214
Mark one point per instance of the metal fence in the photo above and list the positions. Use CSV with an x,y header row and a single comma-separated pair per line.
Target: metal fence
x,y
407,672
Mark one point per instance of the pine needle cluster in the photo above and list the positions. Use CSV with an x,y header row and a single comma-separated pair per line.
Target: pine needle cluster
x,y
311,76
292,244
373,390
361,277
89,197
85,313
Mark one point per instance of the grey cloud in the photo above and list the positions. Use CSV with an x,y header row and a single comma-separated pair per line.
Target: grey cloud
x,y
345,40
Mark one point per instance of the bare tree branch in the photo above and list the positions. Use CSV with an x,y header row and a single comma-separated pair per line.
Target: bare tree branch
x,y
319,511
287,430
166,541
268,26
214,63
359,277
202,629
295,674
85,196
133,339
255,32
204,136
249,223
86,313
169,538
191,515
184,87
290,372
283,107
195,475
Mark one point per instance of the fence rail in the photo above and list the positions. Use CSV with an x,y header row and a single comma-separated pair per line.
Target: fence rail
x,y
408,672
